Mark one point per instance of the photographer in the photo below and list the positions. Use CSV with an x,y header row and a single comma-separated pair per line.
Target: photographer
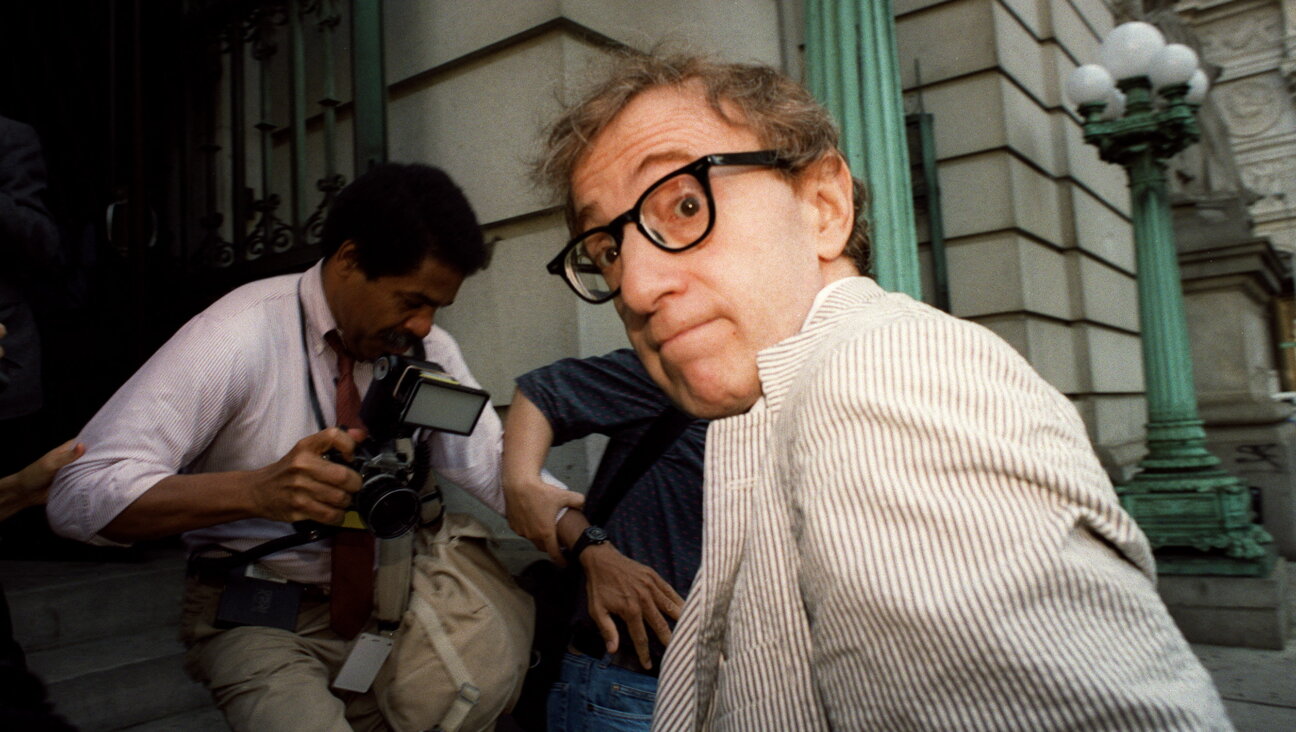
x,y
222,436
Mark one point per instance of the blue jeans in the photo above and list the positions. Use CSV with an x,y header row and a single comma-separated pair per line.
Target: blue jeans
x,y
592,695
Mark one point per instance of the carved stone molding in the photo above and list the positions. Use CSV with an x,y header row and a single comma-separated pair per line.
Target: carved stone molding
x,y
1274,180
1288,64
1252,106
1257,32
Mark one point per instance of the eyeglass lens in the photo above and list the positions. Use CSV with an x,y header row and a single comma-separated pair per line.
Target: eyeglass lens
x,y
675,214
592,263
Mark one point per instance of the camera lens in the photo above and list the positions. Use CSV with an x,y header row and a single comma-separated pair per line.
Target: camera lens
x,y
388,507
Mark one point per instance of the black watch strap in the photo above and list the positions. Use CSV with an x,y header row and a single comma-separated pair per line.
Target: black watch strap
x,y
590,536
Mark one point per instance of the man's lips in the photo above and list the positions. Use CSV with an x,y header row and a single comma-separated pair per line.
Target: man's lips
x,y
680,334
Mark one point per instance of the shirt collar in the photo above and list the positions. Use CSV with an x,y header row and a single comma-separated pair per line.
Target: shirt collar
x,y
780,365
319,318
821,297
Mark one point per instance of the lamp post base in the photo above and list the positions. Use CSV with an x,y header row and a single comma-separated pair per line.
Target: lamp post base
x,y
1199,522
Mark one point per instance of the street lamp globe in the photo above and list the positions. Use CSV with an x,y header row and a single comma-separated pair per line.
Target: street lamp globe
x,y
1174,64
1198,85
1089,84
1128,50
1115,108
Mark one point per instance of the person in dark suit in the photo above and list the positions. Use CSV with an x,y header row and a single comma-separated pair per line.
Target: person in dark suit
x,y
29,246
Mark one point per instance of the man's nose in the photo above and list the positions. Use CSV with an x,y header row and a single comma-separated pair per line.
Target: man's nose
x,y
420,324
648,273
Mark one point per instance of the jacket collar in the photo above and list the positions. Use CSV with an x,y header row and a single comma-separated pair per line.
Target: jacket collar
x,y
779,364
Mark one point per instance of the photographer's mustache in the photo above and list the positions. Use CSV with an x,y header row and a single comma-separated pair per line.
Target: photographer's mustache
x,y
396,341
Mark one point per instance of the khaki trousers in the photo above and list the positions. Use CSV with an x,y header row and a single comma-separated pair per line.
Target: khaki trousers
x,y
271,680
459,660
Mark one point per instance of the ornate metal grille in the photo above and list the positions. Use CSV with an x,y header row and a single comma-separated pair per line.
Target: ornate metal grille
x,y
265,113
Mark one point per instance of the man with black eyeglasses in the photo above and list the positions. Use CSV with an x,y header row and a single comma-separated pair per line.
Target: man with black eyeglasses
x,y
905,527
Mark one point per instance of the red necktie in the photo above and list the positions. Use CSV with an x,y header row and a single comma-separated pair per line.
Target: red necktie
x,y
351,600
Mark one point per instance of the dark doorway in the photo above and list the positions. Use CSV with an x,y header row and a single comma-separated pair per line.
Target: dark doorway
x,y
96,80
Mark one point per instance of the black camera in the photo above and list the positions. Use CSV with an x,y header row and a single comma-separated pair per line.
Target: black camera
x,y
406,396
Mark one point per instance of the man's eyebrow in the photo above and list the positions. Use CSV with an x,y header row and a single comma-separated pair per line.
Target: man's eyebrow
x,y
582,216
681,156
674,155
415,296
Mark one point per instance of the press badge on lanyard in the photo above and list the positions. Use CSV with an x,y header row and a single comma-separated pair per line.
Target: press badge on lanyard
x,y
361,667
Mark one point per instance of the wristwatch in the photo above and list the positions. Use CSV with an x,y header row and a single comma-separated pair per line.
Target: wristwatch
x,y
590,536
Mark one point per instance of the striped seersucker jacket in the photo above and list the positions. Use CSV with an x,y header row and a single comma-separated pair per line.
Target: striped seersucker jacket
x,y
910,531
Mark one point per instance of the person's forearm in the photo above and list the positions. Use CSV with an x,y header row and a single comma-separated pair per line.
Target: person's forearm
x,y
13,497
527,439
181,503
570,526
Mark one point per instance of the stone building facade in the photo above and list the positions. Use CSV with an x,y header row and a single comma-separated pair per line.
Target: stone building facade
x,y
1038,236
1038,241
1253,42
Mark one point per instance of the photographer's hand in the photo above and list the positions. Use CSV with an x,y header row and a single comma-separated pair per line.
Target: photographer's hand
x,y
618,585
306,485
301,485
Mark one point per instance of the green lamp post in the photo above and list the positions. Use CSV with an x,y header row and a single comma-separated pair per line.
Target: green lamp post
x,y
1139,108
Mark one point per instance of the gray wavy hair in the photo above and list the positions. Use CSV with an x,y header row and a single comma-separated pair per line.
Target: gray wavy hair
x,y
782,113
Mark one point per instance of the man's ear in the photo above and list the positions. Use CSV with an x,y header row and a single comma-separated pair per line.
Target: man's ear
x,y
346,258
830,192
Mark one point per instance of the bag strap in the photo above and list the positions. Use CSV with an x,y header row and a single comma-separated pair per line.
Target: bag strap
x,y
467,694
660,435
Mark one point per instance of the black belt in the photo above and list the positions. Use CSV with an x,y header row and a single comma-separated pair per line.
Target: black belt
x,y
219,578
588,641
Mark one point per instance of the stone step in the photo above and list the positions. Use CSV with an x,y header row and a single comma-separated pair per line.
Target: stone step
x,y
114,683
197,720
60,603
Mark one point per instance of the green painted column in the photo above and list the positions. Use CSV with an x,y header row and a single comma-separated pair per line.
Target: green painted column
x,y
852,68
369,84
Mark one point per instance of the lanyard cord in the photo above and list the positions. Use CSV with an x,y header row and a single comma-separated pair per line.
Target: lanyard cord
x,y
310,378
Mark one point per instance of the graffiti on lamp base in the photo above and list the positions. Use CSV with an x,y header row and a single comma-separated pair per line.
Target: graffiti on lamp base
x,y
1266,453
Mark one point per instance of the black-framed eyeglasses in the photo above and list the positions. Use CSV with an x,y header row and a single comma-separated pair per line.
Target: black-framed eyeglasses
x,y
675,213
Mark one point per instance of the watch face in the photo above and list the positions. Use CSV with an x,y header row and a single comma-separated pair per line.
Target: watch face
x,y
596,534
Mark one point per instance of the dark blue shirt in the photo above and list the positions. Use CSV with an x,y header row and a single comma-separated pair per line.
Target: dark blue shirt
x,y
659,521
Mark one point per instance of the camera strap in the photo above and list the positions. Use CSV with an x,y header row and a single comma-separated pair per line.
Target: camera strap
x,y
307,532
395,556
310,377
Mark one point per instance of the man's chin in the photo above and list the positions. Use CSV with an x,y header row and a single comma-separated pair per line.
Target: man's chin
x,y
701,391
711,404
